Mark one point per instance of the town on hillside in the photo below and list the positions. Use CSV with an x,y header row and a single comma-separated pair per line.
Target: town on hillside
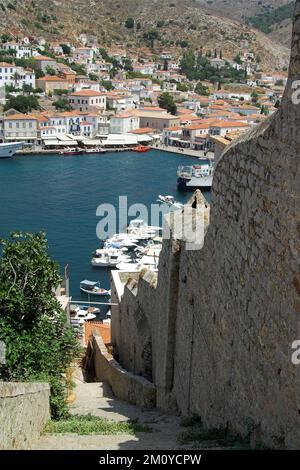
x,y
70,97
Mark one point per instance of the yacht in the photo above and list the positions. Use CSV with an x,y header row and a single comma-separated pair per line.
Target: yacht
x,y
8,150
141,231
194,177
108,258
121,241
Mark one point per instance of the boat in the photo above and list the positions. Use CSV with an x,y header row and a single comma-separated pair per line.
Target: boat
x,y
72,151
109,259
141,231
142,148
121,241
8,150
94,150
93,288
190,178
81,315
170,202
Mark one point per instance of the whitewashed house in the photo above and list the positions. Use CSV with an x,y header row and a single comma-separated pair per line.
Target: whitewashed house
x,y
124,123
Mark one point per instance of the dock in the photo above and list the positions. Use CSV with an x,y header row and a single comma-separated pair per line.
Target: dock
x,y
184,151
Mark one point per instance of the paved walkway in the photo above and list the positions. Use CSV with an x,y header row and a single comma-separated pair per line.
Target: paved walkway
x,y
98,400
182,151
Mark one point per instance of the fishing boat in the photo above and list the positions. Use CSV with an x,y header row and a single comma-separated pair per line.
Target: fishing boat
x,y
8,150
141,148
194,177
170,202
93,288
72,151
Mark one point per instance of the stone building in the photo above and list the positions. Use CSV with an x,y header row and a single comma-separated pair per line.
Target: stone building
x,y
214,330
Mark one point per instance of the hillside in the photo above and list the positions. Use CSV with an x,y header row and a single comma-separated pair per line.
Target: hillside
x,y
180,23
273,17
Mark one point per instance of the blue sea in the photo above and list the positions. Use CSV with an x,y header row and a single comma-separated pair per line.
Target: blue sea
x,y
60,194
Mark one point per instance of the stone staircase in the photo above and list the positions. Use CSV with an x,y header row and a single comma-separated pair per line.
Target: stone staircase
x,y
97,399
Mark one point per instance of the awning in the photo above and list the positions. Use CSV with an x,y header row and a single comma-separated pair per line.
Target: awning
x,y
122,139
91,142
60,143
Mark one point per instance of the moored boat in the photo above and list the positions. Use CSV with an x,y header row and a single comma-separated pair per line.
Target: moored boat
x,y
9,149
72,151
190,178
93,288
141,148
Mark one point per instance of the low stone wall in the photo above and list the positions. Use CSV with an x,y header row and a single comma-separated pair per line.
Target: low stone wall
x,y
24,411
125,385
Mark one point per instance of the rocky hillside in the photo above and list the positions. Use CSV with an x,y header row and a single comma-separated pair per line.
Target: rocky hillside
x,y
180,23
273,17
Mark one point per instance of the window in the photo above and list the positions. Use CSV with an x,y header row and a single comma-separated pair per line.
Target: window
x,y
24,125
17,125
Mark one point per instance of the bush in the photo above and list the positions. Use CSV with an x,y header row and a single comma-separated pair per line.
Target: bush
x,y
40,344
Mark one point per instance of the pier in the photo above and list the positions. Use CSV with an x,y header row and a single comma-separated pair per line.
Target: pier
x,y
184,151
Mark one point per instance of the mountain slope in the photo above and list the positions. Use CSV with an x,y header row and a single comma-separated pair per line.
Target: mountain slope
x,y
273,17
175,21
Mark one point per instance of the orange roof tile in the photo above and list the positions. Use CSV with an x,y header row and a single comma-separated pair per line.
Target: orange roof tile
x,y
103,329
87,93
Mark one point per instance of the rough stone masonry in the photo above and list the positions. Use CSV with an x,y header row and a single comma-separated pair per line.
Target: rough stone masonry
x,y
220,322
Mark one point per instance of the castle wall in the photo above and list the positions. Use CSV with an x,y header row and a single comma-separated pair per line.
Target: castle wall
x,y
222,319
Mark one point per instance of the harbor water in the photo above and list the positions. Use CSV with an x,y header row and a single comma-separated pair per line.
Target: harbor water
x,y
61,194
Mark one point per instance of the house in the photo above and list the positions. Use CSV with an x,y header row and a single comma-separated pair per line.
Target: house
x,y
20,127
16,76
120,102
156,119
88,100
224,127
44,63
124,123
170,87
51,83
217,63
144,69
22,51
84,54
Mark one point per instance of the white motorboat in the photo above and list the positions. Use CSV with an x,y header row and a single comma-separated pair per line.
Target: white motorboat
x,y
120,241
170,202
8,150
93,288
141,231
109,259
145,262
83,314
94,150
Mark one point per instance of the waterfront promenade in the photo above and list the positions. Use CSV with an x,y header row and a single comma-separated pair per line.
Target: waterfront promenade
x,y
182,151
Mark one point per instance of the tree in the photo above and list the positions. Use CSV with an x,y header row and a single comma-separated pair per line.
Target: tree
x,y
107,84
40,345
151,36
238,59
166,101
201,89
166,64
62,104
23,104
66,49
254,97
129,23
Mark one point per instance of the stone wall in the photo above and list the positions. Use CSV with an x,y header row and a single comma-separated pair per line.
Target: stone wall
x,y
24,411
222,319
125,385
